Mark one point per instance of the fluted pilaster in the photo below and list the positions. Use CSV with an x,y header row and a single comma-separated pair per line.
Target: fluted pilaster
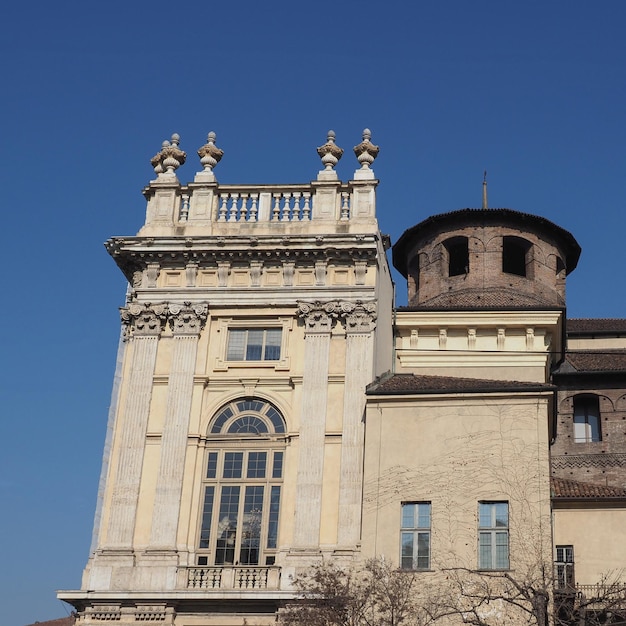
x,y
318,320
142,326
186,324
359,319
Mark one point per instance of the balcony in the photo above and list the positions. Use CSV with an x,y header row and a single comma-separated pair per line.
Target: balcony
x,y
238,578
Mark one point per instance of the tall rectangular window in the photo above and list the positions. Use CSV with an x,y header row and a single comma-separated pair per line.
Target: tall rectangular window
x,y
493,535
415,536
254,344
564,567
587,419
240,512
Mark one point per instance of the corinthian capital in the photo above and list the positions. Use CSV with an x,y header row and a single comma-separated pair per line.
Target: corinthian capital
x,y
359,317
187,318
319,316
143,319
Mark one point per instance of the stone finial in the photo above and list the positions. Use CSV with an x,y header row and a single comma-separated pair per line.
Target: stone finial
x,y
330,152
169,158
210,155
366,151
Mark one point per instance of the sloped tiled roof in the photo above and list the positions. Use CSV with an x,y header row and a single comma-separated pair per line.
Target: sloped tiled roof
x,y
599,325
411,383
564,488
594,361
495,298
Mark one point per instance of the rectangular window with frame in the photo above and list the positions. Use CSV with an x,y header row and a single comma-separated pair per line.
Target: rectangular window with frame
x,y
564,567
415,536
241,504
493,535
254,344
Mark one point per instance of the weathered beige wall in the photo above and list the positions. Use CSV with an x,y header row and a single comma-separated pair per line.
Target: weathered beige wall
x,y
455,451
598,534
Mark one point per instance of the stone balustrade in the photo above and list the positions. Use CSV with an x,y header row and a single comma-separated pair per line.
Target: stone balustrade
x,y
280,204
177,205
204,204
236,578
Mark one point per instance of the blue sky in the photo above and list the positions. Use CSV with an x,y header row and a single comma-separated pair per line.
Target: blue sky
x,y
534,92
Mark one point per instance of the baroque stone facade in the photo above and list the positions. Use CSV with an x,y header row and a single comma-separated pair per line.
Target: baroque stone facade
x,y
272,409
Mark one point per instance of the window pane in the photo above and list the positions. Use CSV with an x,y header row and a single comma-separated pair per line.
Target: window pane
x,y
256,464
212,465
272,530
272,344
255,345
502,550
248,424
485,515
484,551
233,462
251,527
408,516
227,526
277,470
423,518
207,513
502,514
236,344
407,550
276,419
423,550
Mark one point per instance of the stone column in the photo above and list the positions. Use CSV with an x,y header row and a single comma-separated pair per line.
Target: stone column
x,y
318,321
187,322
360,323
143,327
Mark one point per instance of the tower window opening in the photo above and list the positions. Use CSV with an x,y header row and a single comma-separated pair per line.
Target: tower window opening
x,y
515,255
458,256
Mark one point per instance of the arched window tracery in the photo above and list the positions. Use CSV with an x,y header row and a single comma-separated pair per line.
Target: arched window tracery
x,y
242,485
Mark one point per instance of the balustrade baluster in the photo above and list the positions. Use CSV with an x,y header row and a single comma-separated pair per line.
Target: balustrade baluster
x,y
221,217
345,208
233,207
286,207
276,207
297,206
244,207
184,209
306,209
254,215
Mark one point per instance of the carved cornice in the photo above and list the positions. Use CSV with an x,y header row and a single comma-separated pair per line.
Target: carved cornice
x,y
138,254
148,320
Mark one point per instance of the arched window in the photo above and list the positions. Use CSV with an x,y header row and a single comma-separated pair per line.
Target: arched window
x,y
587,419
242,485
458,255
515,255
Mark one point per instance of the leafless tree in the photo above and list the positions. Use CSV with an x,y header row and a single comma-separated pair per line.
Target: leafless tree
x,y
374,594
377,594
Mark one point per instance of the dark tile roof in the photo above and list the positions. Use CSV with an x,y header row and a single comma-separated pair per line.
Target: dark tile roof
x,y
563,488
411,383
495,298
61,621
593,361
599,325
